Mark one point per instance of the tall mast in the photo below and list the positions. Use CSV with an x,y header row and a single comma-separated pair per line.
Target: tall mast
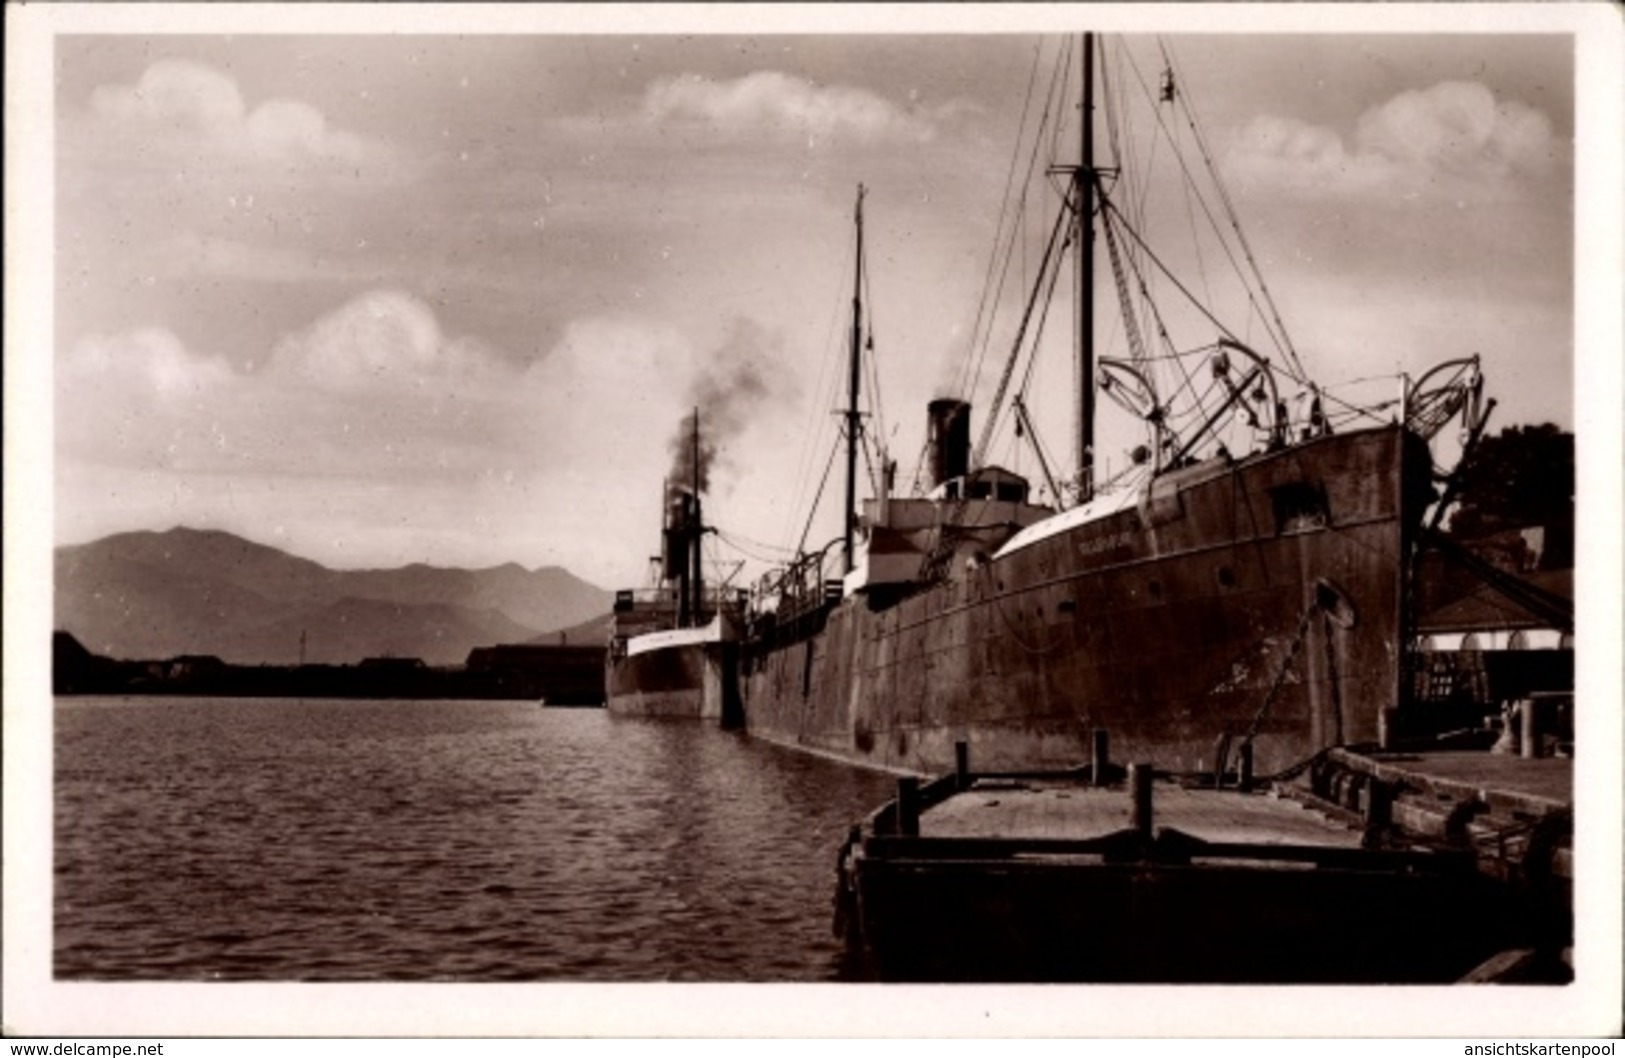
x,y
853,421
696,530
1084,271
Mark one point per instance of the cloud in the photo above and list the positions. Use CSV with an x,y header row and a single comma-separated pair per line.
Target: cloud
x,y
140,399
1454,138
374,387
197,103
150,363
281,127
1459,127
384,340
775,103
183,95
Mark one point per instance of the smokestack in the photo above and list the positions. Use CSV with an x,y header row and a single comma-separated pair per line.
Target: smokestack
x,y
674,549
681,553
948,437
692,453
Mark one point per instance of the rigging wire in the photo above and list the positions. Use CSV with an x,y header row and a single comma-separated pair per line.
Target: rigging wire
x,y
1193,190
1026,384
817,422
1164,269
1166,94
801,544
1045,268
1004,213
872,363
1285,340
1005,243
754,548
716,563
1063,91
1136,178
1137,165
917,484
1156,317
1053,486
1196,243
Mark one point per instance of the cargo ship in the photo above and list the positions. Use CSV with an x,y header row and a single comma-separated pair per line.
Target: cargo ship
x,y
1240,587
673,644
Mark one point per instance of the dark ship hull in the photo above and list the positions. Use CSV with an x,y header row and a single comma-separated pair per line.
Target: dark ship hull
x,y
680,674
667,649
1255,600
668,682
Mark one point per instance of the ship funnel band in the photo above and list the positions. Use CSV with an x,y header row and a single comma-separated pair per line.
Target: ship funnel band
x,y
948,439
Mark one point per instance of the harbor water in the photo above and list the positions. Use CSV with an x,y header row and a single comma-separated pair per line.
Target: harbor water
x,y
319,840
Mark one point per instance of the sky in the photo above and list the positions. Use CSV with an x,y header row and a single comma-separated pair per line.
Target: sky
x,y
433,297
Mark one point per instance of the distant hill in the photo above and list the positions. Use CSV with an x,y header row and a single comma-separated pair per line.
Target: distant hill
x,y
352,629
590,632
187,591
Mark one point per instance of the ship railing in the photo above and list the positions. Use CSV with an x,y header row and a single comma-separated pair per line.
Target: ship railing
x,y
660,600
803,586
790,604
645,600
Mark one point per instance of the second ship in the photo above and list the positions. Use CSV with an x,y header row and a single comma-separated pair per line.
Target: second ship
x,y
1244,582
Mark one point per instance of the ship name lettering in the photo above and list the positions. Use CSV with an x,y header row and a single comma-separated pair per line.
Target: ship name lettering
x,y
1108,542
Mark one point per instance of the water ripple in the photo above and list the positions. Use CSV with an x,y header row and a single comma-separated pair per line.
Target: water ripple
x,y
276,839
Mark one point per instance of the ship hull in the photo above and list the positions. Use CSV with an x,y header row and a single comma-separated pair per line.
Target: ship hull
x,y
1027,920
696,681
1255,600
668,682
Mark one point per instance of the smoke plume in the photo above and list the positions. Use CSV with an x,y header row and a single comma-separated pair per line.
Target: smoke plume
x,y
740,377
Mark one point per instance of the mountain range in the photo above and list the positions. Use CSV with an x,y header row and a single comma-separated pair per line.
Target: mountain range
x,y
188,591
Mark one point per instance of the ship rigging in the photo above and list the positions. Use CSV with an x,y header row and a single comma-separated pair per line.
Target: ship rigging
x,y
1237,576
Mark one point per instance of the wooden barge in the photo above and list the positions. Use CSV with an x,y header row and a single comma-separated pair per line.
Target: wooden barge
x,y
1363,868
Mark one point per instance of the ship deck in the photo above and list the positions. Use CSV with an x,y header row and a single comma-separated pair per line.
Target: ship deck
x,y
1045,810
1434,795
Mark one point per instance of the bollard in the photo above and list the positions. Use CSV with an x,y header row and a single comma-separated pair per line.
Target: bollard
x,y
1244,767
1100,757
1139,781
1529,727
1378,805
962,765
1387,727
1221,759
908,806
